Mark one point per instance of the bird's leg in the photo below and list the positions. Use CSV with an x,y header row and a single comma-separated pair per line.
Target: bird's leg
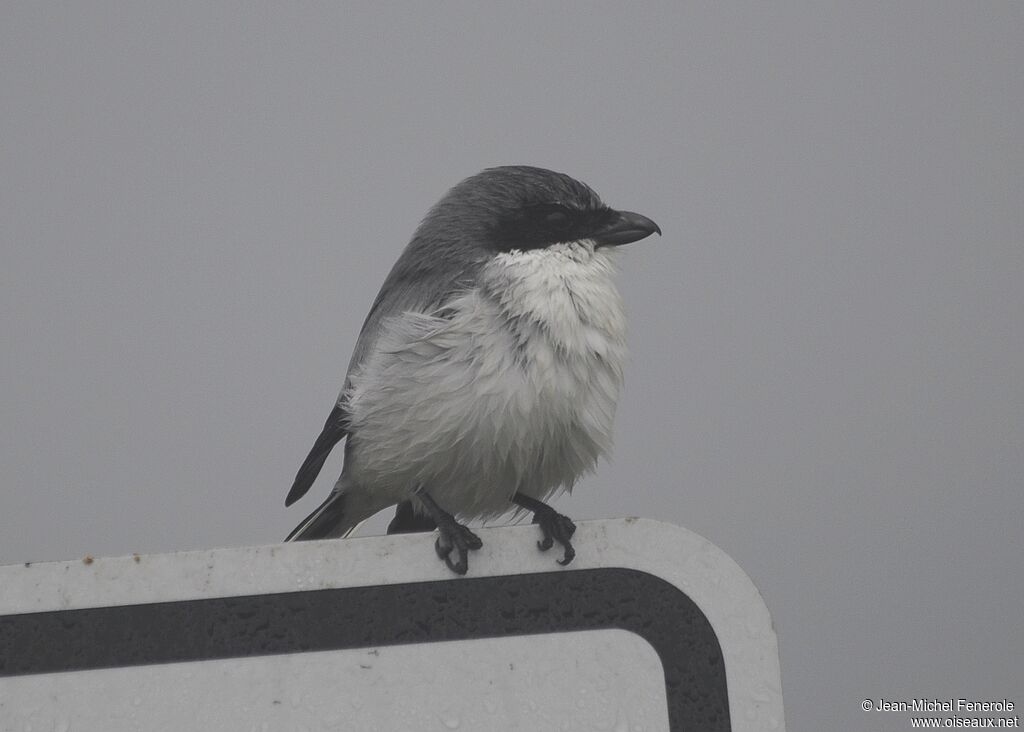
x,y
555,526
407,521
452,535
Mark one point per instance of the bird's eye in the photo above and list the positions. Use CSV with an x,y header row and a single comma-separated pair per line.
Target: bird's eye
x,y
557,219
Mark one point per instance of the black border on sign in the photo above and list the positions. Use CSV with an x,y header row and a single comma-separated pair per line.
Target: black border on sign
x,y
383,615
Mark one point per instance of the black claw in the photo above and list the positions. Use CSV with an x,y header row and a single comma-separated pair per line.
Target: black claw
x,y
459,567
442,551
462,540
451,536
554,526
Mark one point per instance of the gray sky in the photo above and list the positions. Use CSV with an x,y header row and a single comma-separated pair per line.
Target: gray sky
x,y
198,204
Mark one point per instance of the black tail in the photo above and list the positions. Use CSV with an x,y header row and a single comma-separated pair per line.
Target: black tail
x,y
334,430
323,523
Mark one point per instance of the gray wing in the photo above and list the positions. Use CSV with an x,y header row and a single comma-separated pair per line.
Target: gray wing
x,y
417,283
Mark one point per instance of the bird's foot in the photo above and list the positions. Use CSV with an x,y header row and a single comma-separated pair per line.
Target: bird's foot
x,y
458,539
453,537
555,526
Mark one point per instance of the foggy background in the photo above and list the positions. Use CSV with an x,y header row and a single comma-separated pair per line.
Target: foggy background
x,y
198,204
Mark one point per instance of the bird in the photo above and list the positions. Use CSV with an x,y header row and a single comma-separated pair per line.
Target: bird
x,y
486,375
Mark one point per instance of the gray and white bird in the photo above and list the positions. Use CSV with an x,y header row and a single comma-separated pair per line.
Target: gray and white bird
x,y
487,372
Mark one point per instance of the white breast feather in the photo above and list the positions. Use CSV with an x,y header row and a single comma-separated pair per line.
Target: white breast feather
x,y
514,389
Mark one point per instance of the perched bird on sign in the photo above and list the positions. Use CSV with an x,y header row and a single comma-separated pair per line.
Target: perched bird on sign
x,y
487,372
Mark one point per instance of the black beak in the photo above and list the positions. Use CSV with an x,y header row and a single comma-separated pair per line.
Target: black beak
x,y
624,228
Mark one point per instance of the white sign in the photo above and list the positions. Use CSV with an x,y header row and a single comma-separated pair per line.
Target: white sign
x,y
650,628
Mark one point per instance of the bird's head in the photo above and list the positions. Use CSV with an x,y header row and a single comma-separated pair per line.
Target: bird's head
x,y
518,207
